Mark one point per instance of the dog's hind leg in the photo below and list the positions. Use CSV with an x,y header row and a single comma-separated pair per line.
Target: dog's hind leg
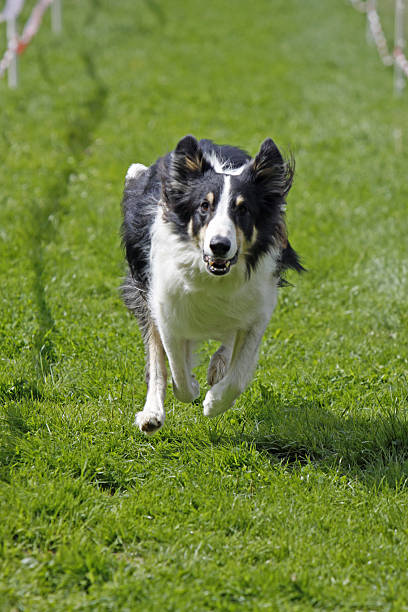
x,y
152,416
180,355
220,362
243,361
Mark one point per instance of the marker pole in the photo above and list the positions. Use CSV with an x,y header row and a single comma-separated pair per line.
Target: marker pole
x,y
399,80
12,45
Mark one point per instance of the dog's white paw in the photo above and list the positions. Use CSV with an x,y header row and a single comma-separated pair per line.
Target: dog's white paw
x,y
189,394
149,422
218,366
214,405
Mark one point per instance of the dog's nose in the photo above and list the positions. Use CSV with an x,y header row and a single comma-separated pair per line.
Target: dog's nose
x,y
220,245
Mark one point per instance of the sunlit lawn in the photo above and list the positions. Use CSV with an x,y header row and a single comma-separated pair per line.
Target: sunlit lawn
x,y
297,498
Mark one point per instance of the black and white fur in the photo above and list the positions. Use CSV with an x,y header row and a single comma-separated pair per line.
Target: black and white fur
x,y
206,243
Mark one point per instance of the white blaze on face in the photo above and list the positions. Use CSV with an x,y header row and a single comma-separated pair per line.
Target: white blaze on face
x,y
222,224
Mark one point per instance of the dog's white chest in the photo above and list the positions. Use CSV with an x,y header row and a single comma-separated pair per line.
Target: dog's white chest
x,y
196,306
199,316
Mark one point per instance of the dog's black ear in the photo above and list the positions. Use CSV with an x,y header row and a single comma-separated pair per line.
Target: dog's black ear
x,y
186,163
188,158
271,170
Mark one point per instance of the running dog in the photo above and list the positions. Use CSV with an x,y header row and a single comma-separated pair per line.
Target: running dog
x,y
206,244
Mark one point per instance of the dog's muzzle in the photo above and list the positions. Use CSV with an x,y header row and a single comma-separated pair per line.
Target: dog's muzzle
x,y
219,266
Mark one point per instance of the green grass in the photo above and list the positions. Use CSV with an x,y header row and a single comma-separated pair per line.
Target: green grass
x,y
294,500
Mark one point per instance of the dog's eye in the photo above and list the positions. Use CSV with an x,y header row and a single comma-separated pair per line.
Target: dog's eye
x,y
242,210
204,206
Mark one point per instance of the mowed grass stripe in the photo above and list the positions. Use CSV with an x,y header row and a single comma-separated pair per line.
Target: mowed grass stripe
x,y
295,499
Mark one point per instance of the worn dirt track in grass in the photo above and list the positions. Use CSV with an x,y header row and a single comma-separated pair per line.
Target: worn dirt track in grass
x,y
47,216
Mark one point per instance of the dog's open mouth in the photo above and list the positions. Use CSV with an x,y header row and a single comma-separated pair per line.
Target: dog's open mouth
x,y
219,266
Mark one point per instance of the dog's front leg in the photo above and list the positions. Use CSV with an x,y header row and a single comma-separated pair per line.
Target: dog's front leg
x,y
245,354
152,416
179,353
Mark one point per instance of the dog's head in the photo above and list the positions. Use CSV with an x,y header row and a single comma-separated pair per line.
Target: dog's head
x,y
230,212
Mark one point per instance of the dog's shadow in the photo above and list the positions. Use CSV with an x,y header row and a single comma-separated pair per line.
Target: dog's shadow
x,y
372,448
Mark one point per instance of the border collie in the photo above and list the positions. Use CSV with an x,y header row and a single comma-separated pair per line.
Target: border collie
x,y
206,243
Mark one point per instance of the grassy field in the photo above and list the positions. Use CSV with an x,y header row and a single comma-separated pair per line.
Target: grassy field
x,y
297,498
